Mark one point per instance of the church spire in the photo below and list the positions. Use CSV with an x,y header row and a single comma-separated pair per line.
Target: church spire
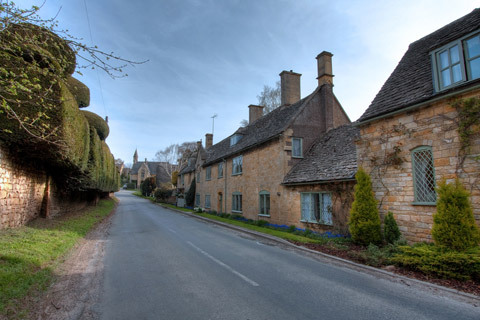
x,y
135,156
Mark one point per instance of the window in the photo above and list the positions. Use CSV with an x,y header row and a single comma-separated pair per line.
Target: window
x,y
237,202
207,201
208,173
220,170
457,62
264,203
297,145
197,199
234,139
423,176
317,207
237,165
142,175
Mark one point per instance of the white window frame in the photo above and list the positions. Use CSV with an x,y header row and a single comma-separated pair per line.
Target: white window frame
x,y
237,165
207,201
237,202
300,142
464,62
312,212
264,203
197,199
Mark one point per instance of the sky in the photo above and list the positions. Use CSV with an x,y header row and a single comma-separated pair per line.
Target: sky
x,y
208,57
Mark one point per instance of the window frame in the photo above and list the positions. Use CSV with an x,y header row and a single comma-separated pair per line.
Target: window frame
x,y
220,170
415,178
208,173
235,166
236,201
197,199
320,205
264,194
234,139
464,62
301,147
208,204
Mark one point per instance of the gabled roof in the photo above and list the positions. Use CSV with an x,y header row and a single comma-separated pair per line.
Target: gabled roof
x,y
262,130
412,80
332,157
152,166
190,165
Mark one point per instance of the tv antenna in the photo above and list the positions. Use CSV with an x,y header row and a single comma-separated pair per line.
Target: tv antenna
x,y
213,121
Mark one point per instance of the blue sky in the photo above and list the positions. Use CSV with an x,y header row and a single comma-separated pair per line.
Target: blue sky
x,y
211,57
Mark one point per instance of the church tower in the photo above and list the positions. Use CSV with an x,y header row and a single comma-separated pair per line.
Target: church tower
x,y
135,157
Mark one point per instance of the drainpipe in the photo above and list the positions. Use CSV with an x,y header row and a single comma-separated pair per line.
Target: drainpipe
x,y
225,183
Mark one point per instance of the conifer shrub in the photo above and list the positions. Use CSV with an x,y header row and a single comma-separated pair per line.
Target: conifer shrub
x,y
364,222
147,186
454,224
190,196
391,231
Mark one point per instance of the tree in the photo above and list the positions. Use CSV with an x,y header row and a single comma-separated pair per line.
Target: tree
x,y
36,60
454,224
174,178
173,153
391,231
269,98
148,186
364,222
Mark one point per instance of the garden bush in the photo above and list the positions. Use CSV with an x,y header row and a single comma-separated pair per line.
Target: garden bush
x,y
364,222
391,231
453,224
190,196
440,262
147,186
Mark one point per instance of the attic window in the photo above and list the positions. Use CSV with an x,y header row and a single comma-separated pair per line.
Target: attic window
x,y
234,139
457,62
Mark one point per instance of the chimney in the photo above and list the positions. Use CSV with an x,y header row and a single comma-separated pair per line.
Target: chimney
x,y
145,160
199,145
324,63
208,140
290,87
254,112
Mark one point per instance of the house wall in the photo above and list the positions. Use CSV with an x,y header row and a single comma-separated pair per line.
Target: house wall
x,y
435,126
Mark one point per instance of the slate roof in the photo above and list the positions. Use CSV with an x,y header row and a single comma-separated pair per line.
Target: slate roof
x,y
412,82
190,168
262,130
152,167
332,157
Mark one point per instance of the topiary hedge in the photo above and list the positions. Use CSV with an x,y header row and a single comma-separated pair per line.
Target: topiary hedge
x,y
98,123
79,91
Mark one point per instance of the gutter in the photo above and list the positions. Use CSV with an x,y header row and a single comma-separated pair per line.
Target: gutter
x,y
316,182
417,105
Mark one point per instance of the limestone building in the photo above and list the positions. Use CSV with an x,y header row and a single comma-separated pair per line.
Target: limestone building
x,y
143,170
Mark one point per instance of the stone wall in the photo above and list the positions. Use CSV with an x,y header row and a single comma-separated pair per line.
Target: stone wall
x,y
22,195
384,151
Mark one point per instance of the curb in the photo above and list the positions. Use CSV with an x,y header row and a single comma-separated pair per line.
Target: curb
x,y
459,295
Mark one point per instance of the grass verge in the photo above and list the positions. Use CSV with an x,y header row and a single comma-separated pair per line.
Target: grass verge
x,y
29,254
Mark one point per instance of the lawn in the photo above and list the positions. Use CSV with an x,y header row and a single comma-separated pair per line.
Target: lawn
x,y
29,254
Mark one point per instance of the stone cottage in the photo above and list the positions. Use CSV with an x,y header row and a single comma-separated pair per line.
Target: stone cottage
x,y
143,170
255,172
409,135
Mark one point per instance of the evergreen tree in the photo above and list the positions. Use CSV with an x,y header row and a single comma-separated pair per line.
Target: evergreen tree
x,y
453,224
364,222
391,230
190,196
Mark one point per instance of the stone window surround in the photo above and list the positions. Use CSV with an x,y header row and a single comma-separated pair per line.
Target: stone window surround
x,y
237,165
417,201
466,74
237,202
207,201
208,173
320,205
300,148
197,199
262,197
220,170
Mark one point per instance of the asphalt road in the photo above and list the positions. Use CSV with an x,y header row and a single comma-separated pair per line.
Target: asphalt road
x,y
163,265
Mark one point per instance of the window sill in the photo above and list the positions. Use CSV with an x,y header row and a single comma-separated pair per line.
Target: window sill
x,y
220,177
235,211
432,204
263,215
317,222
297,157
237,174
208,179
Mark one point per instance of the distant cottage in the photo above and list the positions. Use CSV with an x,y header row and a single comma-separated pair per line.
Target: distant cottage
x,y
142,170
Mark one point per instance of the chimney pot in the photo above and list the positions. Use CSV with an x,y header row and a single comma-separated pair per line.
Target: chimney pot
x,y
208,140
254,112
290,87
324,63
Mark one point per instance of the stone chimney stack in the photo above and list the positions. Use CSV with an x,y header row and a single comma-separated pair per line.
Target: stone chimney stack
x,y
208,140
324,62
145,160
290,87
254,112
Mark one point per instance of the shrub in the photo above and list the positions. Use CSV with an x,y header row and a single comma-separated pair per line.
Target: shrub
x,y
440,262
131,185
261,223
364,222
376,256
147,186
453,224
162,193
391,230
292,228
97,122
190,196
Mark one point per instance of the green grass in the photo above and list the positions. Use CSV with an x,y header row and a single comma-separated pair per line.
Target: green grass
x,y
29,254
273,232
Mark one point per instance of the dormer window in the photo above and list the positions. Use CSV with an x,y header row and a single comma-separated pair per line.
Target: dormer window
x,y
234,139
457,62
